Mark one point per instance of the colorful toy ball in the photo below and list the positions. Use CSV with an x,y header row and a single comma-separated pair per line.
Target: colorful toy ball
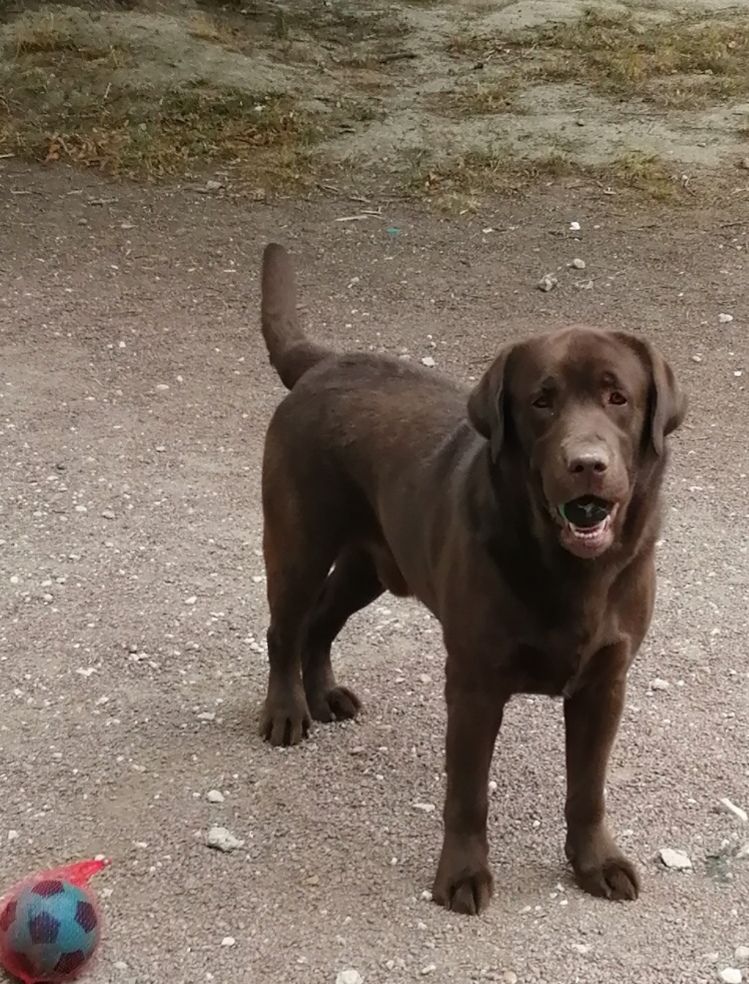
x,y
50,925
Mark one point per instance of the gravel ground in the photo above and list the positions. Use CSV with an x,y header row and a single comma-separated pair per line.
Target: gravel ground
x,y
135,394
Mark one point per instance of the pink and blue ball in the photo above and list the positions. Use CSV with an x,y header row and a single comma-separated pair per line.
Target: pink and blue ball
x,y
48,931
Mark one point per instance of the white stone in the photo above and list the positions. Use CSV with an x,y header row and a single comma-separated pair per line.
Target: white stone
x,y
677,860
547,282
221,839
578,264
731,975
725,319
228,941
736,811
349,976
741,953
428,361
659,684
214,796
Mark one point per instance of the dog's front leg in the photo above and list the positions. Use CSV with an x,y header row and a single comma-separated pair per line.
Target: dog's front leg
x,y
474,715
592,718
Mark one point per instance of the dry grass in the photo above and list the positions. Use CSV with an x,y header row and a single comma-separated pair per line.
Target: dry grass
x,y
465,182
477,99
684,63
64,99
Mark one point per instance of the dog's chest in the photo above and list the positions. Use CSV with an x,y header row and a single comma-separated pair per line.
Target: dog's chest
x,y
554,662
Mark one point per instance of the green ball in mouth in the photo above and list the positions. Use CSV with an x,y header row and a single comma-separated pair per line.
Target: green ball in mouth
x,y
585,512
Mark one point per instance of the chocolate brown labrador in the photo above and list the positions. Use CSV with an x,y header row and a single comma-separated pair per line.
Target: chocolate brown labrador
x,y
523,514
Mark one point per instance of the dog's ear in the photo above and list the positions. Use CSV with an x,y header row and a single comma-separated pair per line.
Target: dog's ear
x,y
668,404
486,404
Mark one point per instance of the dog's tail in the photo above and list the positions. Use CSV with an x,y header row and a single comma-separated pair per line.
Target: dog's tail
x,y
291,352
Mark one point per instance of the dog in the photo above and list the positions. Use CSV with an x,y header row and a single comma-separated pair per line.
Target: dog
x,y
523,514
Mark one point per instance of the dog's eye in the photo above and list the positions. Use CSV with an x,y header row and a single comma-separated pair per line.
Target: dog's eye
x,y
617,398
542,403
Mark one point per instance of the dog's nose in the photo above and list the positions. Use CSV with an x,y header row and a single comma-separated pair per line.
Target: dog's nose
x,y
589,462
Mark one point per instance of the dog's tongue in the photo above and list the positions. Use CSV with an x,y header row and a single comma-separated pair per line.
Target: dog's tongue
x,y
585,512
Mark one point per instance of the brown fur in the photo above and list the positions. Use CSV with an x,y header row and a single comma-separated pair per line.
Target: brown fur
x,y
382,476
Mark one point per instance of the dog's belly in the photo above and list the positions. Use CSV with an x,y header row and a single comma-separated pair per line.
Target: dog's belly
x,y
543,671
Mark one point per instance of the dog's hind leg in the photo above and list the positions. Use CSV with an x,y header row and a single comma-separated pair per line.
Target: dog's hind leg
x,y
298,555
352,585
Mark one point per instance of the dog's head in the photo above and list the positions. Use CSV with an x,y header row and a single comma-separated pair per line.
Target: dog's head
x,y
585,412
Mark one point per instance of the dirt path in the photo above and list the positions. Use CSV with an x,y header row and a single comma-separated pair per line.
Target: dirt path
x,y
135,392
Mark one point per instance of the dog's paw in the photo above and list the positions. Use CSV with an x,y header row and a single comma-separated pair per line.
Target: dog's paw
x,y
614,878
285,721
336,704
461,887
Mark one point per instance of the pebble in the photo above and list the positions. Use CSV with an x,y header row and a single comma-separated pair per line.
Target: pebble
x,y
736,811
107,514
731,975
214,796
428,361
425,807
741,954
677,860
509,977
725,319
228,941
574,227
547,282
349,976
659,684
578,264
429,969
221,839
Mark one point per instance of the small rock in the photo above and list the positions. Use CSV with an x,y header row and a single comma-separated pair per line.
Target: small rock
x,y
584,284
428,361
492,786
349,976
12,835
547,282
214,796
207,716
736,811
582,948
697,359
659,684
676,860
741,954
221,839
107,514
574,227
429,969
509,977
212,185
578,264
191,600
228,941
425,807
725,319
731,975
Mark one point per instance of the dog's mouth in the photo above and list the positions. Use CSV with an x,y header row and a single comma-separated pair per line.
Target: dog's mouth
x,y
587,525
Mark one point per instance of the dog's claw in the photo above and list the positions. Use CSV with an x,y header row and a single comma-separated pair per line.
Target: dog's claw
x,y
286,723
467,892
615,879
336,704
